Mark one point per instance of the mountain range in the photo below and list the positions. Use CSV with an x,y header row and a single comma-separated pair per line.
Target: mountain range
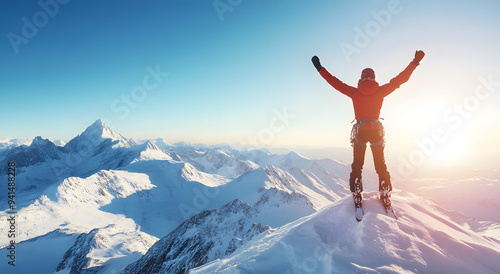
x,y
103,203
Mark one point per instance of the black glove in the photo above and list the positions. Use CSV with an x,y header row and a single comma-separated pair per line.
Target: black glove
x,y
418,57
316,63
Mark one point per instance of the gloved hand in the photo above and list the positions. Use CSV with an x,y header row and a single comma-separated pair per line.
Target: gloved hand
x,y
418,57
316,62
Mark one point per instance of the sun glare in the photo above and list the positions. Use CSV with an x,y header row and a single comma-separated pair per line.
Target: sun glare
x,y
414,114
451,151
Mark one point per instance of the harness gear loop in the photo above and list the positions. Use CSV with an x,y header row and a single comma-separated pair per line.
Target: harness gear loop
x,y
356,127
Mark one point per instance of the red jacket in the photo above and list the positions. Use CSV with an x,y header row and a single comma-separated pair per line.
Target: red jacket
x,y
368,97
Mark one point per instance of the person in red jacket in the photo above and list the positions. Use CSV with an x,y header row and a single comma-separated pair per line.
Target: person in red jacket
x,y
367,99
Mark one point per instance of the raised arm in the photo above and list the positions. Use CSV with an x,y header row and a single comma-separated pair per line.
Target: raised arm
x,y
332,80
403,77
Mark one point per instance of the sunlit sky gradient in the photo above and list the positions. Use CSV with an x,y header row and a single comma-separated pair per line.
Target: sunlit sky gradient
x,y
229,73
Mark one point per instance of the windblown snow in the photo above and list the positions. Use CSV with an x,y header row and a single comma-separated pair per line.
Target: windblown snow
x,y
103,203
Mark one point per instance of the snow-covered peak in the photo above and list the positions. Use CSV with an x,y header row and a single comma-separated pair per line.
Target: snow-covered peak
x,y
150,146
95,135
295,156
149,151
39,141
59,143
292,159
40,150
236,206
99,130
162,143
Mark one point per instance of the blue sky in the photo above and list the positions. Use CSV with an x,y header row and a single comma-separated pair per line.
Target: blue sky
x,y
224,75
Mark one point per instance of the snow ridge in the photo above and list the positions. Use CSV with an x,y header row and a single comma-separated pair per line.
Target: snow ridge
x,y
92,250
206,236
101,188
215,161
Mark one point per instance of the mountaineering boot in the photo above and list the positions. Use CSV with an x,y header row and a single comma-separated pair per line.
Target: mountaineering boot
x,y
357,188
354,180
385,188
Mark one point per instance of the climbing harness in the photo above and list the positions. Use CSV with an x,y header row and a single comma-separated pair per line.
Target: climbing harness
x,y
373,123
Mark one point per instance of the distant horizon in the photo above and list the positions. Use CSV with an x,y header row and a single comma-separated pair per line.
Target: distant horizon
x,y
339,153
171,141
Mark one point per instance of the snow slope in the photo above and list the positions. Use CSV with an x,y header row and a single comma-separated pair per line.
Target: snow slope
x,y
248,187
40,254
423,240
326,177
74,204
94,251
71,208
182,191
473,201
179,186
204,237
475,197
215,160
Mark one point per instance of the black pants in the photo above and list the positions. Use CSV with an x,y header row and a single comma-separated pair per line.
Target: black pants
x,y
377,144
363,137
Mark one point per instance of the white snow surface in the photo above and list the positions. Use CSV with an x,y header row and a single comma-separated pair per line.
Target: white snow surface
x,y
424,239
101,188
101,246
149,151
74,204
71,208
475,197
